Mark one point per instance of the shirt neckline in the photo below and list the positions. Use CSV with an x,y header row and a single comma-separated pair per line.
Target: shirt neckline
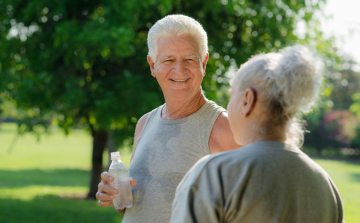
x,y
181,120
275,145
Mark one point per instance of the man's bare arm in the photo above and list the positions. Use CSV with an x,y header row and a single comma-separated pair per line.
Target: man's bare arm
x,y
139,127
106,193
221,137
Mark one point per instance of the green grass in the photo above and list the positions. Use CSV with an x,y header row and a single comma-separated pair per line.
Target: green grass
x,y
47,181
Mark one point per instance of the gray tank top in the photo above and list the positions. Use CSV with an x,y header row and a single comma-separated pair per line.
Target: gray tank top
x,y
165,151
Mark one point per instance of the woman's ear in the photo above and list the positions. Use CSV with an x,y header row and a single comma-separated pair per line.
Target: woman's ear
x,y
249,102
152,66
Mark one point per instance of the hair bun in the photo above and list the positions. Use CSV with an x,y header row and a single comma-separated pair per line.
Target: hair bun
x,y
297,79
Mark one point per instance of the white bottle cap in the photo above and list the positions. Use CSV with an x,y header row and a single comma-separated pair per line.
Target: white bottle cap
x,y
115,155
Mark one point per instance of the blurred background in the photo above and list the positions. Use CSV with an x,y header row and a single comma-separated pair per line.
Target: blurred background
x,y
74,80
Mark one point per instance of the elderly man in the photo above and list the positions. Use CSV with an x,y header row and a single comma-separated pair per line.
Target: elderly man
x,y
170,139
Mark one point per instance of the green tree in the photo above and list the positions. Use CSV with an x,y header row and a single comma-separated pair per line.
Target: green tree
x,y
84,62
344,82
332,122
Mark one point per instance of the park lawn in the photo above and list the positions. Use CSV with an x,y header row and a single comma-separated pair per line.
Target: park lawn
x,y
46,181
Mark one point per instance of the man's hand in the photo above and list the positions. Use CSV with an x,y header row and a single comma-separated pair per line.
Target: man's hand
x,y
106,193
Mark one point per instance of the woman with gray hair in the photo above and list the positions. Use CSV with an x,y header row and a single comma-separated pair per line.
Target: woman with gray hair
x,y
269,179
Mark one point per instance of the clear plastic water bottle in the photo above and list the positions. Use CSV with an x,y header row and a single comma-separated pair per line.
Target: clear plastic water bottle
x,y
121,182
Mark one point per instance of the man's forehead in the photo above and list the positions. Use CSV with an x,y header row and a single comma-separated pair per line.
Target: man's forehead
x,y
175,38
181,51
178,46
177,43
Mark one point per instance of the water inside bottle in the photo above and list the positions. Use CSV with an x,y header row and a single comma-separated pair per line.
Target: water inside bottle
x,y
122,182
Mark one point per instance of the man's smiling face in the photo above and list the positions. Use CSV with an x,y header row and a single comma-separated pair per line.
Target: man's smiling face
x,y
178,67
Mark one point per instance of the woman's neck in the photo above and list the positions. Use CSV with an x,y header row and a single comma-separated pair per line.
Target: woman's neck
x,y
261,133
182,108
272,137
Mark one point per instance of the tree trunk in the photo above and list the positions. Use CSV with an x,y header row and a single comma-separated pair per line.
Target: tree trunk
x,y
110,146
318,150
99,144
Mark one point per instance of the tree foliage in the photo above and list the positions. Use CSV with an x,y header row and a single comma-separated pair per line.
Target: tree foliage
x,y
84,62
334,125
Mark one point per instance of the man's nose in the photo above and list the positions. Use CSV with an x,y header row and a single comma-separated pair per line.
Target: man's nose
x,y
179,67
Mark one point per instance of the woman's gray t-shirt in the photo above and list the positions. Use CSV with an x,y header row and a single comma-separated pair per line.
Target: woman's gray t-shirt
x,y
261,182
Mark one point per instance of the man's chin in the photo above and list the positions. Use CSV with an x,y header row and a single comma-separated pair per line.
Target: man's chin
x,y
181,93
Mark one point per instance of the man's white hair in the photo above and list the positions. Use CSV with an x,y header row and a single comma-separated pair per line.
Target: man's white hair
x,y
177,25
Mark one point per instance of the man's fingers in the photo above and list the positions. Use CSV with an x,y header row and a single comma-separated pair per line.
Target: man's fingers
x,y
133,182
106,193
105,188
105,197
105,203
106,177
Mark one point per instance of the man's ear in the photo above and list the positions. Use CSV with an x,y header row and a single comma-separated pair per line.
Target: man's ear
x,y
250,99
205,62
152,66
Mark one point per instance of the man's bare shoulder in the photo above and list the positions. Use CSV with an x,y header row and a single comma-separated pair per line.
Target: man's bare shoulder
x,y
140,124
221,138
139,127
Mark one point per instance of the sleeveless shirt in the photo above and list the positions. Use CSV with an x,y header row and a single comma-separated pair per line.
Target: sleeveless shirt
x,y
165,151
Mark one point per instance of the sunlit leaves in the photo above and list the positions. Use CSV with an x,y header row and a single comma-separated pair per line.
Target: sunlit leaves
x,y
86,60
